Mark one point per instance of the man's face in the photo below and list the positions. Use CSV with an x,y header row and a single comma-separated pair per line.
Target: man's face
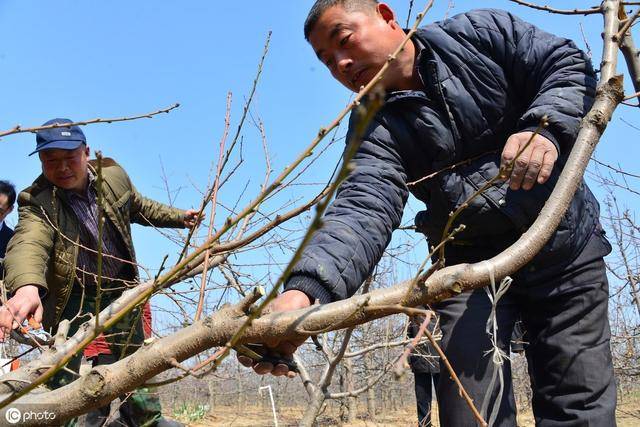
x,y
5,209
355,45
67,169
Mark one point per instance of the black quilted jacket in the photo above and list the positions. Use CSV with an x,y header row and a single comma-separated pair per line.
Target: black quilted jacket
x,y
487,75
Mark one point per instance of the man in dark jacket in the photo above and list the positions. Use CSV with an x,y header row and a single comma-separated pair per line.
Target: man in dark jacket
x,y
470,91
7,199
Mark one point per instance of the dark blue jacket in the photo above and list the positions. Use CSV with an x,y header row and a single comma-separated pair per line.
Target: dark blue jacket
x,y
487,75
5,235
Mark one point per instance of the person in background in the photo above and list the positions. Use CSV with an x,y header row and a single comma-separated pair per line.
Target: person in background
x,y
7,200
425,365
142,405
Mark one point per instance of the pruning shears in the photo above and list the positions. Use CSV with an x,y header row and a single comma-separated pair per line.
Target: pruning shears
x,y
260,353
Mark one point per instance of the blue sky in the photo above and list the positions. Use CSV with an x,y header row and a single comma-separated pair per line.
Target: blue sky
x,y
83,60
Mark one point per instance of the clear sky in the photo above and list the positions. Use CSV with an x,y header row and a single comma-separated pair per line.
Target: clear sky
x,y
82,60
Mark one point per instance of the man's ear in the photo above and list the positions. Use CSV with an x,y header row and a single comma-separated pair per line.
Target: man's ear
x,y
386,13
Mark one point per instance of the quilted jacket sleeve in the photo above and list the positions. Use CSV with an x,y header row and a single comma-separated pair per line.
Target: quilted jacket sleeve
x,y
30,248
146,211
358,225
551,73
141,210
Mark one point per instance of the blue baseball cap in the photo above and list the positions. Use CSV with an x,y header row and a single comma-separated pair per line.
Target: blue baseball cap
x,y
64,138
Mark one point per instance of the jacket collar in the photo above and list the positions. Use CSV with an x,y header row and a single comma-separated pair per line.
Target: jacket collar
x,y
423,54
90,185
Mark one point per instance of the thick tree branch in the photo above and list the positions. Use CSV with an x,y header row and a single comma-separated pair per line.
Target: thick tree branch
x,y
631,55
609,61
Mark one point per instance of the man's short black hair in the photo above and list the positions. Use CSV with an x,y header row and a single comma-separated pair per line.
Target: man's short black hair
x,y
320,6
9,190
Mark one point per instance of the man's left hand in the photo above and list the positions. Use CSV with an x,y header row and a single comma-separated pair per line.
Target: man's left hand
x,y
534,164
191,218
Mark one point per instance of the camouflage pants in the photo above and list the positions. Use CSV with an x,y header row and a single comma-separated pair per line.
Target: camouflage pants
x,y
138,408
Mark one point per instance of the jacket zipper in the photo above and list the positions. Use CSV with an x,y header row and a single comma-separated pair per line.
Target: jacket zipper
x,y
70,279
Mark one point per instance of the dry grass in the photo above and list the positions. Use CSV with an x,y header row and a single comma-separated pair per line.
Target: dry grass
x,y
628,415
253,416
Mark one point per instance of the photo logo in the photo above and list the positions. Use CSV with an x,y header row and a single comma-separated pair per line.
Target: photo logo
x,y
13,415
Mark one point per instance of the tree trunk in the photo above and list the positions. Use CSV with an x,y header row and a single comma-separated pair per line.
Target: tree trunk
x,y
314,408
371,392
212,396
352,401
343,401
240,398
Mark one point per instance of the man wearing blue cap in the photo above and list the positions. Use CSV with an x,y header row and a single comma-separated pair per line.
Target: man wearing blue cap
x,y
51,263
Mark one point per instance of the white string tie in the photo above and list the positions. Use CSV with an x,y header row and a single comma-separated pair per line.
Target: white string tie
x,y
498,356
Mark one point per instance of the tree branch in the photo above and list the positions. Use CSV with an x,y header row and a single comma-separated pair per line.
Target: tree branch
x,y
592,10
19,129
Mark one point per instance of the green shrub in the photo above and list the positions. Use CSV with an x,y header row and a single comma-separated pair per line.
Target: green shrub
x,y
190,411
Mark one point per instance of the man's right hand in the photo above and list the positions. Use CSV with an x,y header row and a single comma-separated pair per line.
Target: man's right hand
x,y
287,301
24,303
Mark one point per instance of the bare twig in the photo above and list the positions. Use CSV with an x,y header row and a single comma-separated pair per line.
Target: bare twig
x,y
586,42
402,364
592,10
625,27
630,52
376,346
236,137
406,25
632,280
420,277
615,169
635,95
450,7
463,392
375,103
629,124
19,129
214,203
451,167
308,384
